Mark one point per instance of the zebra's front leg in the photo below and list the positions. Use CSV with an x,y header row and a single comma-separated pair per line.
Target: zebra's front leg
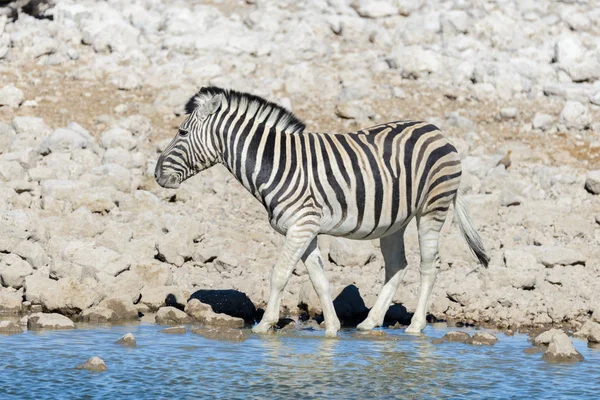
x,y
314,264
392,248
297,239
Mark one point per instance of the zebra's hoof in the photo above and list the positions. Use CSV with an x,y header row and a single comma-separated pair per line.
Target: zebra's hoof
x,y
415,327
366,325
262,328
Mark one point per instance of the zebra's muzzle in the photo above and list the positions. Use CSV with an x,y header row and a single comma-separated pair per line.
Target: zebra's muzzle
x,y
168,181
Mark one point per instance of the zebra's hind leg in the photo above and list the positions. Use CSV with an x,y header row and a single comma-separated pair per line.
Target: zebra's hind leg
x,y
429,226
392,248
314,264
297,240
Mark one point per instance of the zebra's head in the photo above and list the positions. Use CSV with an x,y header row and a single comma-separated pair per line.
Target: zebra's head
x,y
193,147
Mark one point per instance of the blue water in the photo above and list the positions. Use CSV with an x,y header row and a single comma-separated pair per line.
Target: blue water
x,y
41,365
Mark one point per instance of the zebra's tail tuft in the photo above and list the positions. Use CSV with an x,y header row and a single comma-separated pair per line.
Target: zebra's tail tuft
x,y
468,231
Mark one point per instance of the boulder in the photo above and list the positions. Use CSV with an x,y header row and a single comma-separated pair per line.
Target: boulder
x,y
544,338
375,8
98,315
11,96
204,314
9,327
483,338
171,316
67,295
561,349
95,364
65,140
351,253
230,302
127,340
542,121
11,302
575,115
117,137
556,255
455,336
49,321
156,297
122,306
592,182
227,334
13,270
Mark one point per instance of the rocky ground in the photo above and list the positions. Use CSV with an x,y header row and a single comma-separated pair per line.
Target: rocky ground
x,y
90,92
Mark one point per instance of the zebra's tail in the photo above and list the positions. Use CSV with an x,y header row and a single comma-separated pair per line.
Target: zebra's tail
x,y
468,231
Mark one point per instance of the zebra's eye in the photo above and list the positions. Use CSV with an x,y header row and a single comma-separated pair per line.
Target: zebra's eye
x,y
183,133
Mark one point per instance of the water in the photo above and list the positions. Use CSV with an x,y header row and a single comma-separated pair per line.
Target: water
x,y
300,365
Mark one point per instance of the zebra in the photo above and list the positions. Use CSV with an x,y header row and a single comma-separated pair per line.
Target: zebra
x,y
362,185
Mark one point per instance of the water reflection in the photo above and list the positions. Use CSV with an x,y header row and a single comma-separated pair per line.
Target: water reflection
x,y
301,364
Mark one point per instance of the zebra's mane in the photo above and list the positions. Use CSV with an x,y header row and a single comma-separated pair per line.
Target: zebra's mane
x,y
264,110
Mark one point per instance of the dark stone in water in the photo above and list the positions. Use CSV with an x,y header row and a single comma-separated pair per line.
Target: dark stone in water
x,y
95,364
10,328
437,341
177,330
233,335
350,306
483,338
533,350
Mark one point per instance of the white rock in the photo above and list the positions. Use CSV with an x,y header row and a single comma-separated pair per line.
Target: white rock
x,y
592,182
11,96
575,115
126,80
171,316
375,8
561,349
13,270
10,302
117,137
508,112
95,364
65,140
542,121
351,253
43,46
568,49
49,321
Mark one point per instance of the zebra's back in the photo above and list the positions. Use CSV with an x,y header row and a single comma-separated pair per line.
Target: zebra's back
x,y
369,183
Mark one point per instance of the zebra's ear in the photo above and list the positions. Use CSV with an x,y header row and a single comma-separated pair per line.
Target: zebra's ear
x,y
213,104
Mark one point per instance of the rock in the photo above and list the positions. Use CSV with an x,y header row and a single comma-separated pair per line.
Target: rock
x,y
230,302
532,350
508,112
509,199
171,316
483,338
126,80
10,302
156,297
375,8
352,110
10,328
556,255
228,334
561,350
11,96
67,296
575,115
592,182
176,330
544,338
66,140
117,137
522,269
49,321
122,306
95,364
588,70
13,270
98,315
43,46
455,336
542,121
351,253
437,341
568,49
204,314
127,340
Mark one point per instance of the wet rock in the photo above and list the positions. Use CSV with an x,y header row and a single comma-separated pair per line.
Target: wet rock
x,y
590,331
575,115
11,96
374,334
561,350
156,297
171,316
95,364
455,336
10,328
592,182
174,330
437,341
228,334
483,338
122,306
533,350
98,315
127,340
544,338
49,321
351,253
204,314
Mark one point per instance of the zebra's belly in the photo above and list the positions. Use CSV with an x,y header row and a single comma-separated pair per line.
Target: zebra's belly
x,y
368,228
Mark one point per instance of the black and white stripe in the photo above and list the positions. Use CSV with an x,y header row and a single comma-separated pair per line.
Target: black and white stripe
x,y
361,185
